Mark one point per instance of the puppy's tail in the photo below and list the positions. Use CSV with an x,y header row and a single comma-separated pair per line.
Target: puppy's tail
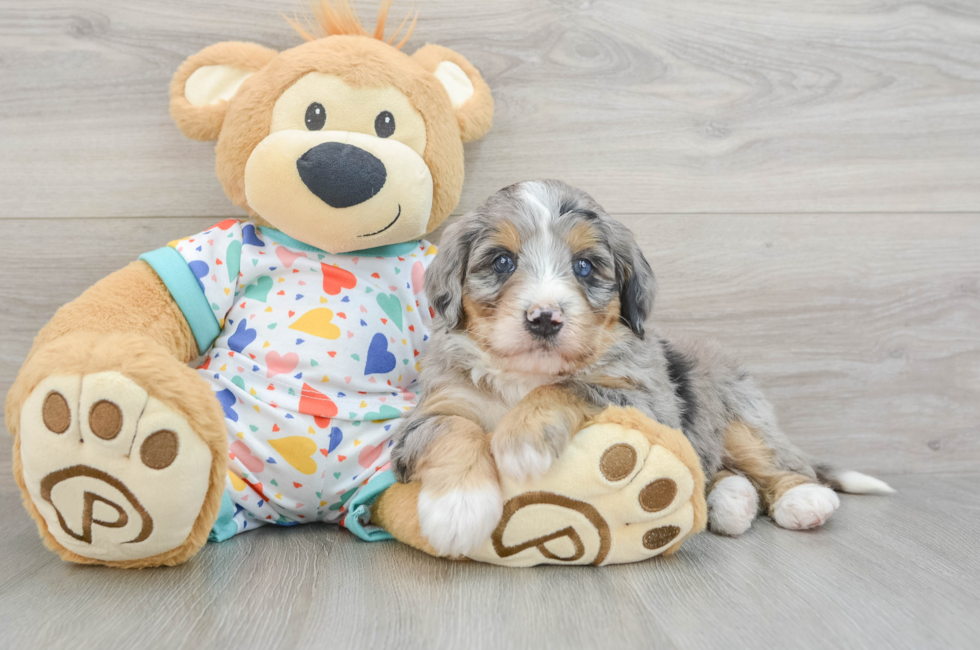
x,y
847,480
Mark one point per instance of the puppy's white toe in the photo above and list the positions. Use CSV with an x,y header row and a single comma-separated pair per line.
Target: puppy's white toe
x,y
732,505
459,521
522,462
805,506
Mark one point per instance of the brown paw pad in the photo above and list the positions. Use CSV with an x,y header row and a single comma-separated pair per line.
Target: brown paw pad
x,y
159,449
618,462
659,537
110,412
657,495
105,419
55,412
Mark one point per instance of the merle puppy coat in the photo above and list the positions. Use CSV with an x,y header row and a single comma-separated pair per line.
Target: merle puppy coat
x,y
543,317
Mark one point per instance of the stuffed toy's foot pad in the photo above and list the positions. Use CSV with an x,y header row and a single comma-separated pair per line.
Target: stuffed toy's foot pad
x,y
624,490
115,474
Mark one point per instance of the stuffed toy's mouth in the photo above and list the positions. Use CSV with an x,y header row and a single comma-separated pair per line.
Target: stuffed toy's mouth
x,y
339,190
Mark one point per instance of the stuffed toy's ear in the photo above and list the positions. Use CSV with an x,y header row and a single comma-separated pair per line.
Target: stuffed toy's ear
x,y
467,90
204,83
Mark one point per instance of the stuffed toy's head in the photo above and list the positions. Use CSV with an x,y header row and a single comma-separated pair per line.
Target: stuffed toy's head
x,y
344,142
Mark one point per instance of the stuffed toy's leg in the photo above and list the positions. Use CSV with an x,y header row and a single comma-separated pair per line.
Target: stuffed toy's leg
x,y
626,489
119,448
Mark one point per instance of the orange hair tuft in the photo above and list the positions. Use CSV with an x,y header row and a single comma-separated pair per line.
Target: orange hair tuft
x,y
338,17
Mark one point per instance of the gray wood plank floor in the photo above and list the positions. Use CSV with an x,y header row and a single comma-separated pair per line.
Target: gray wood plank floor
x,y
654,105
886,572
805,179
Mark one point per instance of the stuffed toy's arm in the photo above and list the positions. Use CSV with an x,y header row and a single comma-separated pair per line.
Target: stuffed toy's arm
x,y
134,300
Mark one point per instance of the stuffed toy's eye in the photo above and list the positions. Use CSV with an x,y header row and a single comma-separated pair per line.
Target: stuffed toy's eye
x,y
504,264
316,116
384,124
582,268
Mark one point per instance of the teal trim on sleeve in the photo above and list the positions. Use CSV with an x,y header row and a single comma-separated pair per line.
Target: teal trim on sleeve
x,y
224,526
187,293
359,509
389,250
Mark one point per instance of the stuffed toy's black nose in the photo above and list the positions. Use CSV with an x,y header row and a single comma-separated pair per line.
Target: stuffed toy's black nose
x,y
341,175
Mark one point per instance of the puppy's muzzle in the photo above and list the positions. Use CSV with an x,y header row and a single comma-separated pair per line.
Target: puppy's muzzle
x,y
543,322
341,175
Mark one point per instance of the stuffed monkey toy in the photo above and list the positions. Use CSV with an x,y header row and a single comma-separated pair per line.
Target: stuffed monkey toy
x,y
308,320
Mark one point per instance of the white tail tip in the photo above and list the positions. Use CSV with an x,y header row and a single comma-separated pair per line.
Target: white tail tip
x,y
857,483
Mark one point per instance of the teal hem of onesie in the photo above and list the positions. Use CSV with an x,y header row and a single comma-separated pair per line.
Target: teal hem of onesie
x,y
224,526
187,293
388,250
359,508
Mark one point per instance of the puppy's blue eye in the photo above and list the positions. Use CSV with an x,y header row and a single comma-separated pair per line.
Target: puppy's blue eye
x,y
582,268
504,264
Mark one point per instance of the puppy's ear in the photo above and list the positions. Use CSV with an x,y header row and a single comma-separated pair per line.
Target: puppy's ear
x,y
203,84
445,276
637,284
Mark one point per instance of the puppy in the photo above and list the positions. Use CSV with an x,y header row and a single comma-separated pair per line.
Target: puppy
x,y
542,306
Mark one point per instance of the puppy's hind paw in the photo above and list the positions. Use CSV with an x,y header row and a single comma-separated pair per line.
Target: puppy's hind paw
x,y
732,506
459,521
805,506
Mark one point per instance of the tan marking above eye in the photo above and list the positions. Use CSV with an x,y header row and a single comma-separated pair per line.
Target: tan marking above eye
x,y
105,419
159,449
348,109
582,237
55,412
617,462
507,236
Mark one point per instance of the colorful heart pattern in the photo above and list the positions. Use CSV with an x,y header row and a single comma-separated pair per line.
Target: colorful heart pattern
x,y
242,337
260,290
392,306
314,365
297,451
379,360
418,278
277,364
317,322
336,279
287,257
239,451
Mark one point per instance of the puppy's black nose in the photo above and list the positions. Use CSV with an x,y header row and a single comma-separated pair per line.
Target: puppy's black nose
x,y
341,175
543,323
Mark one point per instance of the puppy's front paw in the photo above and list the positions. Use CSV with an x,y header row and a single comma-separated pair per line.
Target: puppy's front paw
x,y
519,459
531,437
460,520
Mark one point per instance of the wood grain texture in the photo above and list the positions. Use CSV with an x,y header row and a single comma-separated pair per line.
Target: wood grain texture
x,y
865,331
655,106
804,178
887,572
